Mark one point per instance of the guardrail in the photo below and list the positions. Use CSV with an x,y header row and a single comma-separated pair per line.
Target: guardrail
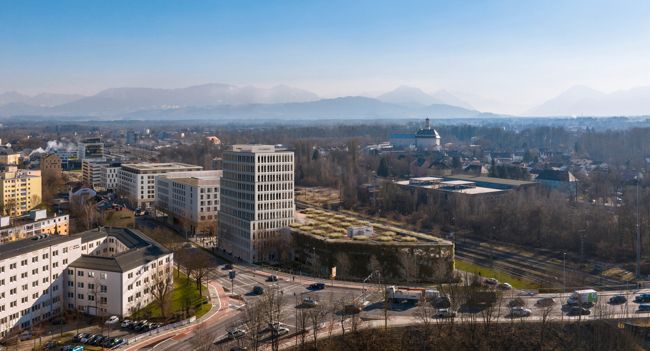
x,y
161,329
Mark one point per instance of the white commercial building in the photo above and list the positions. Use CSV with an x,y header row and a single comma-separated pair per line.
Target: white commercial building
x,y
99,272
91,173
190,199
110,172
257,200
137,182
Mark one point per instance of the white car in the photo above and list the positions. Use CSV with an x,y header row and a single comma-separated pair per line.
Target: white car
x,y
505,286
236,334
520,312
309,302
112,320
491,281
281,331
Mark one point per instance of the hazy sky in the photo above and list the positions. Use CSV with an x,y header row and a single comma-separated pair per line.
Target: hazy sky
x,y
517,52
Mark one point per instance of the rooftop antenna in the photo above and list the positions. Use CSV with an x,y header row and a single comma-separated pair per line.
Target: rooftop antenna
x,y
427,124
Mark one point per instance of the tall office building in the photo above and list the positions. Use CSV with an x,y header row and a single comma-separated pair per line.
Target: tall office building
x,y
257,201
91,149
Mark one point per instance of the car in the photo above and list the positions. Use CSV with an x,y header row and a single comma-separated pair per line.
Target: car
x,y
236,334
578,311
78,337
545,302
26,335
258,290
73,348
239,348
617,300
309,302
272,278
491,281
85,338
112,320
642,298
227,266
114,342
139,325
644,307
505,286
52,345
98,340
280,331
316,286
126,323
445,313
443,302
520,312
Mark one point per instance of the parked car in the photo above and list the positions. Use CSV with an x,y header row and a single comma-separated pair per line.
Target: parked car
x,y
86,337
26,335
280,331
236,334
112,320
97,340
78,337
545,302
258,290
316,286
309,302
491,281
578,311
642,298
272,278
73,348
617,300
445,313
126,323
644,307
518,312
52,345
505,286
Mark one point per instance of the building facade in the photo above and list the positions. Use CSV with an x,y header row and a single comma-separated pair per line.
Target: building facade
x,y
20,190
91,173
98,272
190,200
91,149
51,163
35,223
109,175
257,200
136,181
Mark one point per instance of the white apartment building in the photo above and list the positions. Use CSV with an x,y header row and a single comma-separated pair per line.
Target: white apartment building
x,y
136,182
91,173
36,222
190,200
99,174
99,272
110,173
257,200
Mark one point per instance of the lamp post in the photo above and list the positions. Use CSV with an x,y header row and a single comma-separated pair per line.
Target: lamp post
x,y
564,272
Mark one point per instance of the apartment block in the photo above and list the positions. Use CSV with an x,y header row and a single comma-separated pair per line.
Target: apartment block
x,y
20,190
190,200
137,181
34,223
257,201
101,272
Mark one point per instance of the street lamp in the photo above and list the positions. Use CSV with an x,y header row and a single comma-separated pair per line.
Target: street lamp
x,y
564,272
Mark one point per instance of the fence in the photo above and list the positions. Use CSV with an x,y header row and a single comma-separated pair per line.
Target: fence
x,y
161,329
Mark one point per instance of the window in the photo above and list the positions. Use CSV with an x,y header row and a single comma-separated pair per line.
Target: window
x,y
12,291
80,273
45,256
80,296
91,274
70,272
23,275
34,259
91,286
55,253
35,271
130,287
23,263
12,266
103,300
103,288
130,275
80,284
12,279
103,275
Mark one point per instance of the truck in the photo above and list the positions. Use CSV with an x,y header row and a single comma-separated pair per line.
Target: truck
x,y
412,295
583,297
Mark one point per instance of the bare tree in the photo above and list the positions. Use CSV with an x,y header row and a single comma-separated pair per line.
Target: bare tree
x,y
203,339
254,320
317,315
161,286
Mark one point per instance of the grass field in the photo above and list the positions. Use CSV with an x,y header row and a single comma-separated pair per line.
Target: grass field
x,y
491,273
184,290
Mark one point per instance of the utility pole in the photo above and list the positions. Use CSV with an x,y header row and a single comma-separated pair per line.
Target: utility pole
x,y
564,272
638,233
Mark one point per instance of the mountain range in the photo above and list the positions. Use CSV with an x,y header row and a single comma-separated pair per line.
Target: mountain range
x,y
233,102
585,101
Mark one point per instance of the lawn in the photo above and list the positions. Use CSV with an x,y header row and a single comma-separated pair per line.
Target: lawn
x,y
491,273
184,290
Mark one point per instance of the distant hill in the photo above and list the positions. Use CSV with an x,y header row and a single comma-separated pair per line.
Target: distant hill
x,y
46,99
584,101
231,102
411,96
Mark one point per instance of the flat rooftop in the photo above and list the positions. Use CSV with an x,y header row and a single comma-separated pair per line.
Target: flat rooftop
x,y
256,148
501,181
25,246
160,167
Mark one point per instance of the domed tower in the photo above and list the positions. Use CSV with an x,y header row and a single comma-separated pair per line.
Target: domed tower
x,y
427,138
